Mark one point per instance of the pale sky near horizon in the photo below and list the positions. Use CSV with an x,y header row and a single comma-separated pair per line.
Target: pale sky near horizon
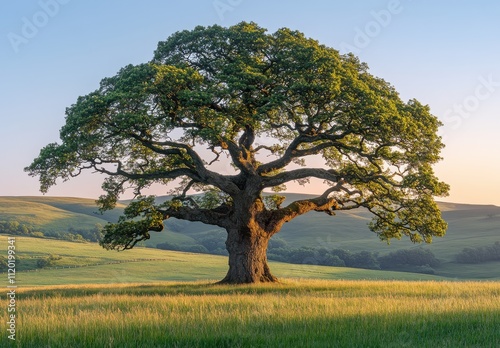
x,y
444,53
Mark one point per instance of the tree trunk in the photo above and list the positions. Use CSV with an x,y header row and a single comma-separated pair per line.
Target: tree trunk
x,y
247,249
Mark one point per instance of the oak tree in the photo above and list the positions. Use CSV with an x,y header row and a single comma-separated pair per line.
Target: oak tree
x,y
275,108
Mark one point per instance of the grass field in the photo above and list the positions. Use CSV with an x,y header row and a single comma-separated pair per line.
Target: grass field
x,y
306,313
87,263
154,298
53,214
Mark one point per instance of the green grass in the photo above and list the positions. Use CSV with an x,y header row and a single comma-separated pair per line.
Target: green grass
x,y
121,299
153,298
86,263
54,214
306,313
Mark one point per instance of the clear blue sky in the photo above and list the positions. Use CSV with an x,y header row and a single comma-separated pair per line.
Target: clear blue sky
x,y
444,53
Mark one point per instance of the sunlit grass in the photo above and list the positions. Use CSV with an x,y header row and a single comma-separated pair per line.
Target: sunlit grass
x,y
50,214
96,265
306,313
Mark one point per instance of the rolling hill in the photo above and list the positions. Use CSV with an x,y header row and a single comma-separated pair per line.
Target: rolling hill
x,y
54,214
470,226
87,263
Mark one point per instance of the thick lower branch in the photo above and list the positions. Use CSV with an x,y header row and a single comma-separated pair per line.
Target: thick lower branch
x,y
323,203
297,174
217,216
206,176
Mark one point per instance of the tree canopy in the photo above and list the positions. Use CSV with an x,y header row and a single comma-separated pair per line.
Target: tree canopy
x,y
232,112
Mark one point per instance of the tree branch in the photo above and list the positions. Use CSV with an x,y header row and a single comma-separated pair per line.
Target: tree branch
x,y
198,170
320,173
169,174
237,156
328,140
217,216
322,204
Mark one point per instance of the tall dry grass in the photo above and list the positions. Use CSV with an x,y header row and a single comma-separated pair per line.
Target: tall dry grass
x,y
290,314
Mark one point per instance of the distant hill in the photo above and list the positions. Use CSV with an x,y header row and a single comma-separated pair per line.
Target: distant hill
x,y
55,214
470,226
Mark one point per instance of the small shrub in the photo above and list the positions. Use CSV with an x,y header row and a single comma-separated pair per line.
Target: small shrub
x,y
48,261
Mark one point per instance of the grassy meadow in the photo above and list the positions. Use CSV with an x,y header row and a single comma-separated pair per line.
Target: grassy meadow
x,y
305,313
88,263
155,298
54,214
148,297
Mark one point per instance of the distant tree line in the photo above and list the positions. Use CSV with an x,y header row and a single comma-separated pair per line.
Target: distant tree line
x,y
417,260
91,235
210,243
72,234
16,228
325,257
414,260
479,254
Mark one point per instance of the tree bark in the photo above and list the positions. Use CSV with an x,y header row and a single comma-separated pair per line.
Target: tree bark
x,y
247,249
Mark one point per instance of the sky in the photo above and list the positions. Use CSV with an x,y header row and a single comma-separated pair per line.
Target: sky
x,y
446,54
